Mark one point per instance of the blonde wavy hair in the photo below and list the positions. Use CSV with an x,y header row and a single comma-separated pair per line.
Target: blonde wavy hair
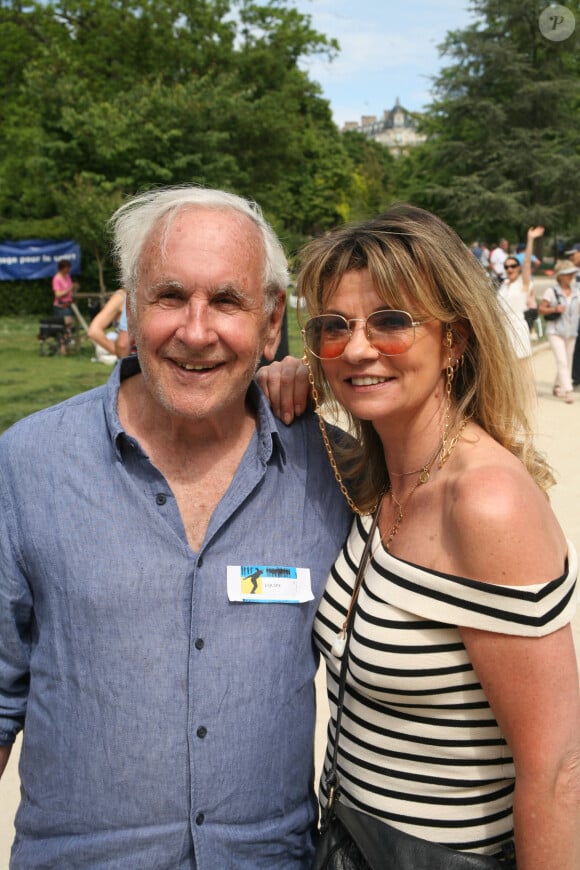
x,y
415,260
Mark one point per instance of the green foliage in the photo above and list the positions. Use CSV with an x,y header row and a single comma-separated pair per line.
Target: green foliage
x,y
85,205
503,129
373,175
22,298
104,98
295,345
26,297
114,96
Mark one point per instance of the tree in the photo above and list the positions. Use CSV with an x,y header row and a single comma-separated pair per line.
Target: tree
x,y
373,177
85,206
504,126
116,96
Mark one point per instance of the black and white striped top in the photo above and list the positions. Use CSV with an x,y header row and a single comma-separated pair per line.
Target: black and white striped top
x,y
419,745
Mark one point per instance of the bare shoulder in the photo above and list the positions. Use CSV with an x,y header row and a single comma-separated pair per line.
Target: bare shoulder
x,y
501,527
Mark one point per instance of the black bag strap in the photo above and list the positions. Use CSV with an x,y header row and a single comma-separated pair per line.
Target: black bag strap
x,y
332,778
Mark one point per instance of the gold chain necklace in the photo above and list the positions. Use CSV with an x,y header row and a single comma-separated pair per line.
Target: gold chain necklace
x,y
339,642
422,479
328,447
445,450
425,470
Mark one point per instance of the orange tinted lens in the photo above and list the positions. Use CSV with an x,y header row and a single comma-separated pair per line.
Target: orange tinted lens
x,y
391,345
330,348
327,336
391,332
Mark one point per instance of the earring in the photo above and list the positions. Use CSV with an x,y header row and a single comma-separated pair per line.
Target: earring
x,y
449,375
450,370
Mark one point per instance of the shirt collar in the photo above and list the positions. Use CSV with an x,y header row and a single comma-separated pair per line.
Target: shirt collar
x,y
268,434
269,439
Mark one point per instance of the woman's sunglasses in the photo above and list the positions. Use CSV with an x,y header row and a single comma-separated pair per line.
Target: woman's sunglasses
x,y
390,332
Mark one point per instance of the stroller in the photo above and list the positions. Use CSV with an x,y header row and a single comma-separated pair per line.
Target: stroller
x,y
53,335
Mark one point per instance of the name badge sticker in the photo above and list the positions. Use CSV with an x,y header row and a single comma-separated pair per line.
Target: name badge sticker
x,y
269,584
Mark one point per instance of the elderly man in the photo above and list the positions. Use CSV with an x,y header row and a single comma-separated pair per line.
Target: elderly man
x,y
164,686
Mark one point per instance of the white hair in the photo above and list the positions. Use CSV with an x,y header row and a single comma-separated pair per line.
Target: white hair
x,y
134,221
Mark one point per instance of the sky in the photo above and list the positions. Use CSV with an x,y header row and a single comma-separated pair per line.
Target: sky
x,y
388,50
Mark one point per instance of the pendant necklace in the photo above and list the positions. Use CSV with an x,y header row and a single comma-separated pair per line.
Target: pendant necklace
x,y
444,452
339,643
424,473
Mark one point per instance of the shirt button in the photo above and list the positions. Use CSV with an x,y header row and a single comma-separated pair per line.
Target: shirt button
x,y
200,562
199,644
160,498
201,732
199,819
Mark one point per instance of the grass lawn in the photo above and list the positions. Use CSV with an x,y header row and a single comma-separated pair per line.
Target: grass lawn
x,y
29,382
294,336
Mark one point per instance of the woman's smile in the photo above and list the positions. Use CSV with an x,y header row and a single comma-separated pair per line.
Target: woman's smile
x,y
367,380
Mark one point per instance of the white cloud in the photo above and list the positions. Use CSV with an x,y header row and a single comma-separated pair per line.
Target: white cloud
x,y
388,50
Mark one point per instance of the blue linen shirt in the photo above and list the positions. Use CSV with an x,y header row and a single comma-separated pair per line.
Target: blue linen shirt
x,y
164,727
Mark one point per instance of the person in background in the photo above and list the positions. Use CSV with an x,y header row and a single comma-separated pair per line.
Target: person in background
x,y
168,713
520,254
481,254
125,344
103,329
559,305
516,296
461,714
531,313
574,255
497,259
63,288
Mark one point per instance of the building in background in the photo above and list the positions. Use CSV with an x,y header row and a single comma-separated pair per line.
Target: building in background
x,y
396,130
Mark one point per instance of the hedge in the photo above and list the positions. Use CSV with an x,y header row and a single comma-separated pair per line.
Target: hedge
x,y
26,297
18,298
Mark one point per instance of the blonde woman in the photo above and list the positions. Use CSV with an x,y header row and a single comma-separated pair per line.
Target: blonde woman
x,y
461,716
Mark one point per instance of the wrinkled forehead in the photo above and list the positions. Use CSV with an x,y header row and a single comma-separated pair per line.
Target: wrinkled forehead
x,y
202,247
195,221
